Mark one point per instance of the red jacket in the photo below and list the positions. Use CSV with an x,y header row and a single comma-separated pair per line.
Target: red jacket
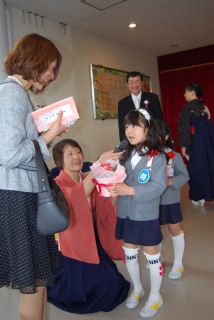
x,y
78,240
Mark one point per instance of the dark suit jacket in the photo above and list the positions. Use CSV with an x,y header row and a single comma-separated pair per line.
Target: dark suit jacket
x,y
126,105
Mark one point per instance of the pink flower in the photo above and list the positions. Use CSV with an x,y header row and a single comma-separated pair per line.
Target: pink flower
x,y
146,102
107,166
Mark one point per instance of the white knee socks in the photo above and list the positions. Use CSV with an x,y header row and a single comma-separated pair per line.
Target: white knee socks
x,y
132,266
178,245
161,257
156,275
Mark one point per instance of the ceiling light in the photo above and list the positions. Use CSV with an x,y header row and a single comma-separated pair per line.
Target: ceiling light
x,y
132,25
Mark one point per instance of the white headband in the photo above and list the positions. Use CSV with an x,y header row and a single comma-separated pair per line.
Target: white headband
x,y
145,114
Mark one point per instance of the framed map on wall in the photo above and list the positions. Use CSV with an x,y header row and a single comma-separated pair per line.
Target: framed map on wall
x,y
108,86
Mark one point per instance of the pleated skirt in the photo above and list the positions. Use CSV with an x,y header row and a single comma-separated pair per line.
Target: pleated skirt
x,y
170,213
144,233
88,288
201,164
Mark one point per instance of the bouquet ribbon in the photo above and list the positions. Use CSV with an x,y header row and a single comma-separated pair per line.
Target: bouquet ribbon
x,y
100,185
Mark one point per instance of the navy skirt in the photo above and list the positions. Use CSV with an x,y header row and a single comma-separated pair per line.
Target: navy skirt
x,y
87,288
201,164
27,258
170,213
144,233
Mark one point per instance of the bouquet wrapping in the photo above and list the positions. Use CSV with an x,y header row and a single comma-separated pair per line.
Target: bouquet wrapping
x,y
107,173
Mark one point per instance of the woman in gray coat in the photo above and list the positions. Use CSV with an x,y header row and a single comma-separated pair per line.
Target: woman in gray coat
x,y
26,257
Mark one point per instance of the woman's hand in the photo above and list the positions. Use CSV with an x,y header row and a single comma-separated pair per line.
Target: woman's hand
x,y
120,189
57,129
109,155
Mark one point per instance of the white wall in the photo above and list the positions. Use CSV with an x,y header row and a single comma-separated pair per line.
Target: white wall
x,y
79,49
4,47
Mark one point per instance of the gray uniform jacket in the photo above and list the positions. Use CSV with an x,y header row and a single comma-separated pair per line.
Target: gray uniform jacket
x,y
17,130
179,178
145,204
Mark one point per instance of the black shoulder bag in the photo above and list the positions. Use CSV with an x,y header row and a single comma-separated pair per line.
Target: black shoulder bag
x,y
53,210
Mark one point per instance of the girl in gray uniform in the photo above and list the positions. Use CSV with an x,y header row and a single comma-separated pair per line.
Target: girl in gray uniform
x,y
170,208
138,205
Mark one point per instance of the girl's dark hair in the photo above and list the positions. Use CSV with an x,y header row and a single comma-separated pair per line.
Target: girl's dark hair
x,y
194,87
31,57
164,127
59,148
153,140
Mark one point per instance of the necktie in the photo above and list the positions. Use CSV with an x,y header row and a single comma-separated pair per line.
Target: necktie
x,y
137,103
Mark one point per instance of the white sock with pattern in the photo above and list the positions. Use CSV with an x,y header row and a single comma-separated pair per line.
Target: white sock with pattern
x,y
161,256
155,300
156,275
133,269
178,245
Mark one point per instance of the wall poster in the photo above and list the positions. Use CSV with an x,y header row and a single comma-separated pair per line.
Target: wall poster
x,y
108,86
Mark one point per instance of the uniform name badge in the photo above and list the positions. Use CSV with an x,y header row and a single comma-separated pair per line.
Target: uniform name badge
x,y
143,176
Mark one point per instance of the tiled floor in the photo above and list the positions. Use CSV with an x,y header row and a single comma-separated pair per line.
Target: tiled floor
x,y
189,298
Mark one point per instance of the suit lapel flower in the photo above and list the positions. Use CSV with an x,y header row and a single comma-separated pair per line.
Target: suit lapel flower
x,y
146,102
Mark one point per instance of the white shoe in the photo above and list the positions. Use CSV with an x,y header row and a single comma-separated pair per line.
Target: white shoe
x,y
133,301
176,272
198,203
151,308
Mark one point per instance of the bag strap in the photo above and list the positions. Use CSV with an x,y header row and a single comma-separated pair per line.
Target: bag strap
x,y
41,170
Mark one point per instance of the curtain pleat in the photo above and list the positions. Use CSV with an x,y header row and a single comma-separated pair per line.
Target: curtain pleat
x,y
172,84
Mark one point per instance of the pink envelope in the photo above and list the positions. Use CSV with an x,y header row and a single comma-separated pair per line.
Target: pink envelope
x,y
45,117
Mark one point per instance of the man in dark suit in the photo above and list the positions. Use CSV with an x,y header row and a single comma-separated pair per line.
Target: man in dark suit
x,y
136,100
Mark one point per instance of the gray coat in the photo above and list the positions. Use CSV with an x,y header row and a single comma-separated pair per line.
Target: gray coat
x,y
145,204
179,178
17,130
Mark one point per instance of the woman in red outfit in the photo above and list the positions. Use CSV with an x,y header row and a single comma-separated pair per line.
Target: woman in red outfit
x,y
87,280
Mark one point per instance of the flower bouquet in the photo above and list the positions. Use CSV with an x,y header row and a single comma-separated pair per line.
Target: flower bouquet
x,y
107,173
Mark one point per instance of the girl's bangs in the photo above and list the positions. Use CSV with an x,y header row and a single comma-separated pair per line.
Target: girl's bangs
x,y
132,118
